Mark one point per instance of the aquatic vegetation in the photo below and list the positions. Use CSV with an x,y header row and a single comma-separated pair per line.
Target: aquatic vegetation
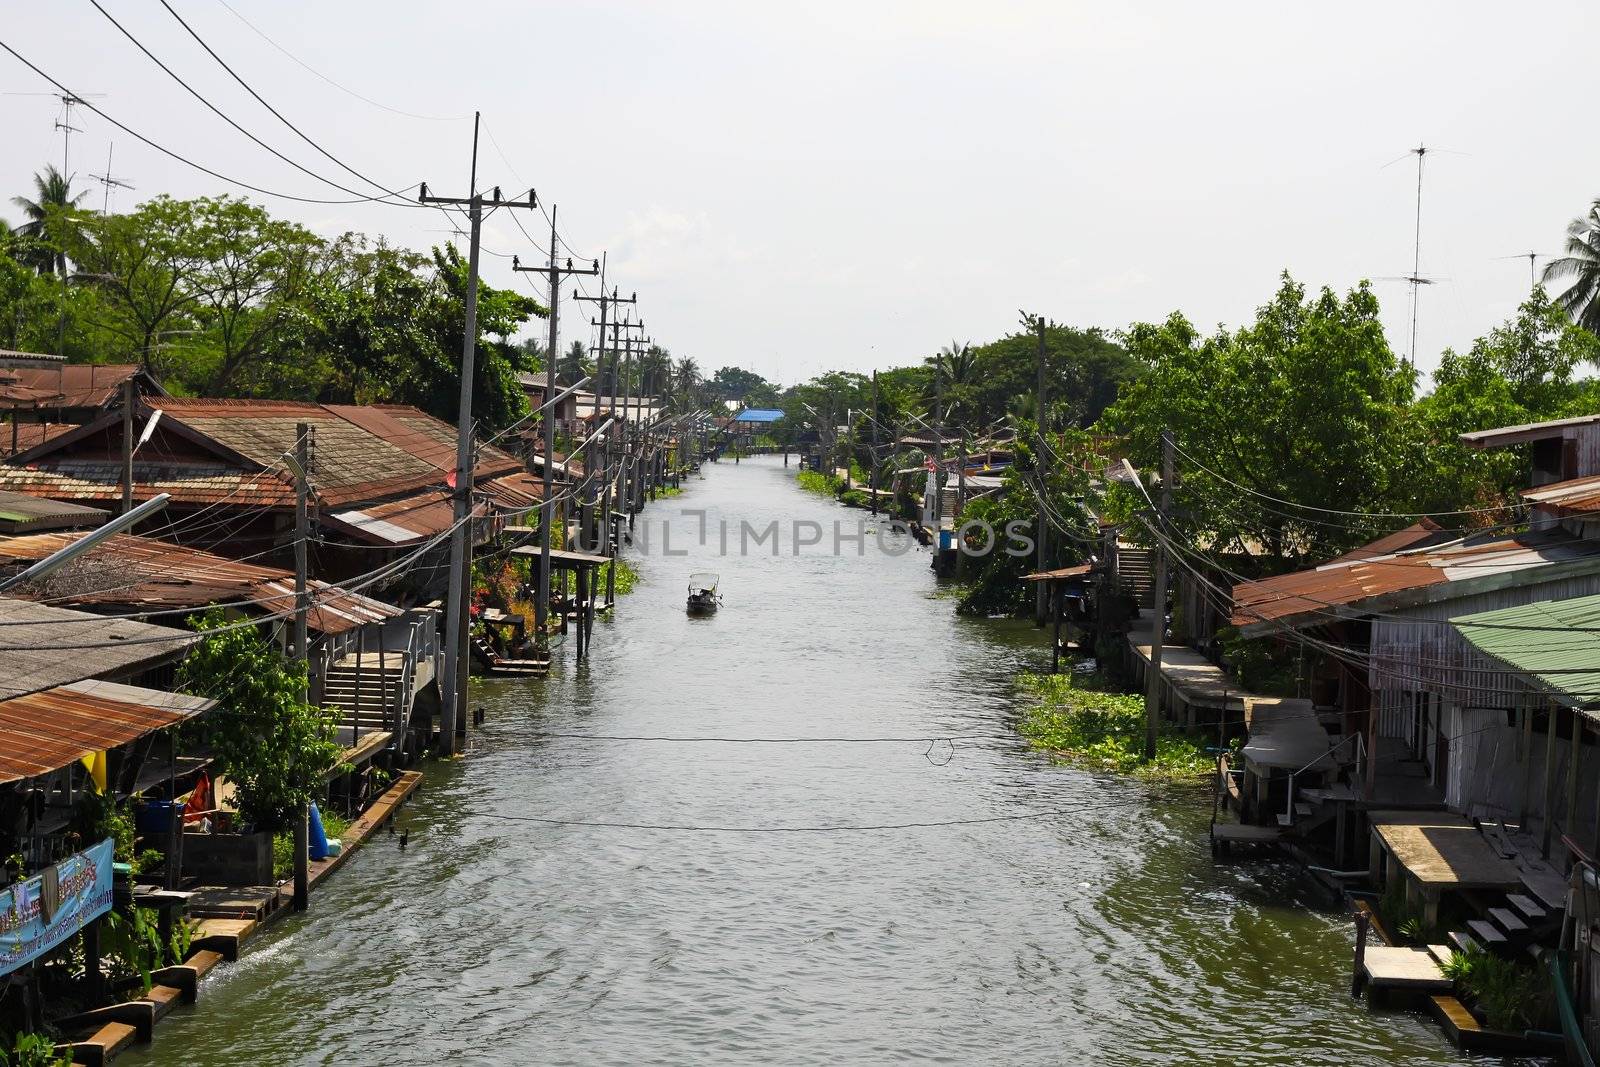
x,y
1082,720
817,482
627,576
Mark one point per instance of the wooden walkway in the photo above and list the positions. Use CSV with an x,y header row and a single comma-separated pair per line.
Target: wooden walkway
x,y
1192,681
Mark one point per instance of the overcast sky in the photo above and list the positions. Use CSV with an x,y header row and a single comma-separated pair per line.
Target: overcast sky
x,y
800,187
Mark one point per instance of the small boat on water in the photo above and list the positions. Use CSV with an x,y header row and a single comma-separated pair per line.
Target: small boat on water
x,y
703,598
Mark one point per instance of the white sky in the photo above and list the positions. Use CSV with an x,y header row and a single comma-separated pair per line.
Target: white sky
x,y
800,187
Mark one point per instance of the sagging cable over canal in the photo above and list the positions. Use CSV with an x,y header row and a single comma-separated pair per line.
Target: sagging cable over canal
x,y
821,829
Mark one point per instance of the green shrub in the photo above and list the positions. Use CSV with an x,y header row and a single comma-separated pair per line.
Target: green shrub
x,y
32,1050
1510,995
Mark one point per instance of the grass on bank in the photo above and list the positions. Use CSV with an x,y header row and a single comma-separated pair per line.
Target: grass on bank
x,y
333,825
1082,720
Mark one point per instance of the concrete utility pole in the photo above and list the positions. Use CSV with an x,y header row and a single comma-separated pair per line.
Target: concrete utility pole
x,y
872,473
609,384
302,651
555,271
1152,700
127,444
453,718
1042,526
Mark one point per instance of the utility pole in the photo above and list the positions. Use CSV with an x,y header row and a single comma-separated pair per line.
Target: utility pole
x,y
872,473
555,272
453,718
127,445
609,384
302,652
1153,684
1041,527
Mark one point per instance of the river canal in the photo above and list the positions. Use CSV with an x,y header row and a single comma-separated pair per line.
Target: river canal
x,y
1101,935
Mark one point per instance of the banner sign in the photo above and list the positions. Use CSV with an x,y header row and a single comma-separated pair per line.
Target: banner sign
x,y
41,912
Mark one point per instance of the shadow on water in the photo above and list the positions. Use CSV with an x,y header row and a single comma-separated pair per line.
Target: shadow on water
x,y
1098,932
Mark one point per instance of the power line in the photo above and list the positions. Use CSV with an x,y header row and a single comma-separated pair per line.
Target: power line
x,y
136,135
216,110
279,115
342,88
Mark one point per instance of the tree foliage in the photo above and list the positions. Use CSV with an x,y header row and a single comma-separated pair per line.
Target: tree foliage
x,y
1293,417
270,743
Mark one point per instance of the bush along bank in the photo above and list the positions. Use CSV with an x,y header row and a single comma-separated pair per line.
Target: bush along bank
x,y
1082,720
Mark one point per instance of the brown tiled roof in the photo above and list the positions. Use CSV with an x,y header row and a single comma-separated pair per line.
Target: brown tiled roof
x,y
144,574
360,454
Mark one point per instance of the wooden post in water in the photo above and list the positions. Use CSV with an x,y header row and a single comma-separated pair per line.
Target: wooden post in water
x,y
1357,979
1060,594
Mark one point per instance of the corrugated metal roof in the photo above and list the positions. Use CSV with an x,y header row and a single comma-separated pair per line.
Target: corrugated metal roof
x,y
1528,431
1577,496
72,385
143,574
514,492
21,513
29,434
1353,587
1417,535
45,731
43,647
400,522
1556,643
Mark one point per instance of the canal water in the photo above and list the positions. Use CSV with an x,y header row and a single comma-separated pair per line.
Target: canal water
x,y
1100,932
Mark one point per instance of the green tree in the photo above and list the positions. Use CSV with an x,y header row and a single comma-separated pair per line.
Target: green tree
x,y
1301,410
270,743
1523,371
1581,264
575,364
736,383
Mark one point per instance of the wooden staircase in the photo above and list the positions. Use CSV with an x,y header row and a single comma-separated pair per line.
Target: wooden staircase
x,y
369,691
1136,571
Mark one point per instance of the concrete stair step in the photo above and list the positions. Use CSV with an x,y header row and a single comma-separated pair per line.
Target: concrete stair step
x,y
1529,908
1464,941
1486,932
1508,920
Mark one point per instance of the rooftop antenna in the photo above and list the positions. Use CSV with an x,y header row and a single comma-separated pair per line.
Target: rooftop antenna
x,y
109,181
64,119
1417,280
1532,258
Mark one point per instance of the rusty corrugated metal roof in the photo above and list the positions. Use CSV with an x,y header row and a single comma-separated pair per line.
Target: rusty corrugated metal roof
x,y
45,731
1353,587
143,574
68,385
399,522
1577,496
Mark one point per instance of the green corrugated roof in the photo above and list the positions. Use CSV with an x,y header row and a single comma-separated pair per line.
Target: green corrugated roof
x,y
1556,643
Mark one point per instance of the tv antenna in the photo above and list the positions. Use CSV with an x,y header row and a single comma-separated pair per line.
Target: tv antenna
x,y
1532,258
64,120
109,181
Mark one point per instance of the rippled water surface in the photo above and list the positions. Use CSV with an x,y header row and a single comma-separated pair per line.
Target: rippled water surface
x,y
1102,935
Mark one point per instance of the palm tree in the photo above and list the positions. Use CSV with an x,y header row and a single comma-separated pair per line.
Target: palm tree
x,y
54,196
688,380
655,371
955,370
1581,263
575,364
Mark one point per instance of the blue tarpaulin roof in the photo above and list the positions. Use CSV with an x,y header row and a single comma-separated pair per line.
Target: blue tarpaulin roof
x,y
758,415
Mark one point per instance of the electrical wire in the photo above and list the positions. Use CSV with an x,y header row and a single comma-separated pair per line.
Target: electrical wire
x,y
343,89
218,111
183,159
276,113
